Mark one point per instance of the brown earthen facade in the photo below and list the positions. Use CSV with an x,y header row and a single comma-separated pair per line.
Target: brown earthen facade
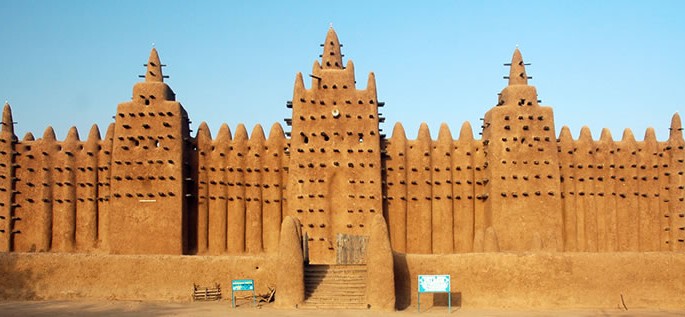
x,y
149,187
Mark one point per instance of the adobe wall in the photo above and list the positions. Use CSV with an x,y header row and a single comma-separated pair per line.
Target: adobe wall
x,y
41,276
479,280
546,280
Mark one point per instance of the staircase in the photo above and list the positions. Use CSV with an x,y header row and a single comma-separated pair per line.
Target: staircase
x,y
335,286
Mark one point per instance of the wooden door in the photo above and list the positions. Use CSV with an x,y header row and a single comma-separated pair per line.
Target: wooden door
x,y
351,249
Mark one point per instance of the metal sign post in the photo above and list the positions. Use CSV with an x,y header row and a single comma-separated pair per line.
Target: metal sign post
x,y
242,285
435,284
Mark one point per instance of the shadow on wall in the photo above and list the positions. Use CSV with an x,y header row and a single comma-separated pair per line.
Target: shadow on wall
x,y
404,290
402,283
440,300
15,283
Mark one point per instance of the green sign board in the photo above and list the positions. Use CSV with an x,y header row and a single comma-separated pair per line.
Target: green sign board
x,y
242,285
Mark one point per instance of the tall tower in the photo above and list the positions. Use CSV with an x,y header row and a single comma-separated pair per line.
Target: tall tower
x,y
524,205
334,184
148,213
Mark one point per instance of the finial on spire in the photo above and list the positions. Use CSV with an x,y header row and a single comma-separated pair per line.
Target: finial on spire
x,y
332,57
154,68
517,70
676,127
330,25
7,122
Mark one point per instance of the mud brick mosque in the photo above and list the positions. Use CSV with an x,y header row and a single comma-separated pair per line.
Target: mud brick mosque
x,y
149,187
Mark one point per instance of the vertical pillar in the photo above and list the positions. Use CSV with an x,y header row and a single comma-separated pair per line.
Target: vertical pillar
x,y
396,184
441,175
253,191
218,188
419,205
236,192
271,189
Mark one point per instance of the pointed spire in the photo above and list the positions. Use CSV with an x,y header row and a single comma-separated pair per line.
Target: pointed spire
x,y
49,134
240,133
517,70
350,66
466,132
257,134
203,136
94,133
444,132
276,132
398,131
606,135
29,137
109,134
565,134
224,134
154,68
676,128
371,84
585,134
72,135
628,136
650,135
93,141
424,132
299,85
332,57
7,123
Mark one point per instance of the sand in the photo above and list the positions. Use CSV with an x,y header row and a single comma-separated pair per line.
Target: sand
x,y
223,308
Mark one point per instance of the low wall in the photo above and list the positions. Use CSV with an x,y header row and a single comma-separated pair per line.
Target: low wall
x,y
126,277
547,280
479,280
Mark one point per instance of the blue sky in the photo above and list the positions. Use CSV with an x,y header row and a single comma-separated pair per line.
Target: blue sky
x,y
615,64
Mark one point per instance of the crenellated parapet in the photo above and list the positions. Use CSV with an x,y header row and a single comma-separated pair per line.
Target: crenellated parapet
x,y
433,190
622,195
240,190
56,202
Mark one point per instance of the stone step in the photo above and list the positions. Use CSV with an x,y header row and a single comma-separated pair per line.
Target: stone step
x,y
342,299
359,285
332,292
332,306
335,287
335,280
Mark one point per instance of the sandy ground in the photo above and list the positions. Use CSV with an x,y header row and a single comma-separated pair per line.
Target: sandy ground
x,y
223,308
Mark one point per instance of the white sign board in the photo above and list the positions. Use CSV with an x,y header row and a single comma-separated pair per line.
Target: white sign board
x,y
434,283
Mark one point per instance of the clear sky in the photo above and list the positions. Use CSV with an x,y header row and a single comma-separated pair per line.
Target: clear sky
x,y
615,64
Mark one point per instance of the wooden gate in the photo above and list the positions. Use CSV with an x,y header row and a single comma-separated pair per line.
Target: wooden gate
x,y
351,249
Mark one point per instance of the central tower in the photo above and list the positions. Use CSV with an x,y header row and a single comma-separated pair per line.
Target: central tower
x,y
334,184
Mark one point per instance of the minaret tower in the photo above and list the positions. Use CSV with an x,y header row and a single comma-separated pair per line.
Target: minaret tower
x,y
334,184
149,169
523,202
